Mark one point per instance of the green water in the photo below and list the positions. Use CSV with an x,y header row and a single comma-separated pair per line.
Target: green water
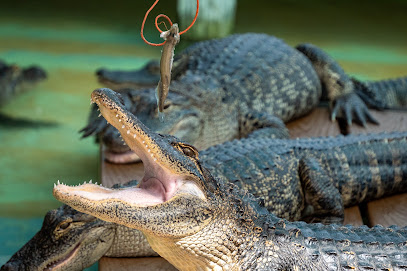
x,y
72,41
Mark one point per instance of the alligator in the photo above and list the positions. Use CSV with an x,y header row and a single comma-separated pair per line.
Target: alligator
x,y
200,222
227,88
230,161
70,240
14,80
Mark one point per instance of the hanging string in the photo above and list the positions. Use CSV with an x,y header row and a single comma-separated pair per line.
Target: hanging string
x,y
168,19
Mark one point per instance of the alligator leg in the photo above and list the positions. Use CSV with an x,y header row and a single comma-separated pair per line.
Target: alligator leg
x,y
320,194
257,124
338,88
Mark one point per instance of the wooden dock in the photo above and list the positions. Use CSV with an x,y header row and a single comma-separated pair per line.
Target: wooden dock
x,y
386,211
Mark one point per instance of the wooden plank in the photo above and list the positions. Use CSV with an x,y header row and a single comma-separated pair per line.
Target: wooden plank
x,y
353,216
388,211
135,264
391,120
316,123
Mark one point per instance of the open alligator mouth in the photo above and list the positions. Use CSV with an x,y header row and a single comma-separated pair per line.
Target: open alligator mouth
x,y
161,180
59,263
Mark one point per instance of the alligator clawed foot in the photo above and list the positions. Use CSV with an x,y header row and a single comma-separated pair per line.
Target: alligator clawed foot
x,y
352,109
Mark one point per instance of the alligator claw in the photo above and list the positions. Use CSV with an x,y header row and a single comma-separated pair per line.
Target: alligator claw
x,y
352,108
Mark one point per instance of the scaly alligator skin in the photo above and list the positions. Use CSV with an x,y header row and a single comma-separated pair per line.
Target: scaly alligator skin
x,y
198,222
14,80
227,88
274,170
266,168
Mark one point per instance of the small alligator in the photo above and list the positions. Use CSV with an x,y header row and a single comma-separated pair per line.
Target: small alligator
x,y
197,221
70,240
14,80
227,88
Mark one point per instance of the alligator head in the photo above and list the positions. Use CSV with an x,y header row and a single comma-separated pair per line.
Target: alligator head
x,y
176,200
189,115
147,76
14,80
68,240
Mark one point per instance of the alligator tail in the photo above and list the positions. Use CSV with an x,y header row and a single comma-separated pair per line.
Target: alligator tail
x,y
383,94
379,166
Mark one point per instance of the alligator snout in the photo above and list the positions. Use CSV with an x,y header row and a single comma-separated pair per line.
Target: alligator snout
x,y
34,73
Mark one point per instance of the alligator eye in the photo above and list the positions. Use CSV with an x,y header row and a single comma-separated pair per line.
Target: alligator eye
x,y
166,106
63,225
188,151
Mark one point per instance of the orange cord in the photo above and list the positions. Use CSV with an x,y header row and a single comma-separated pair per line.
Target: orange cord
x,y
168,19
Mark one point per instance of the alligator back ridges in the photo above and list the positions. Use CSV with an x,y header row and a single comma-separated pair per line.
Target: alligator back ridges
x,y
240,78
336,246
359,168
383,94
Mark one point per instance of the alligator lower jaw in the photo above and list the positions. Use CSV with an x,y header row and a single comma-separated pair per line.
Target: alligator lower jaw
x,y
126,157
150,192
60,263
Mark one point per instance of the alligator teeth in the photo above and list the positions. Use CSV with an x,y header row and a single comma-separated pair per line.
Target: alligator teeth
x,y
117,115
128,131
58,182
100,115
90,181
120,120
123,126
